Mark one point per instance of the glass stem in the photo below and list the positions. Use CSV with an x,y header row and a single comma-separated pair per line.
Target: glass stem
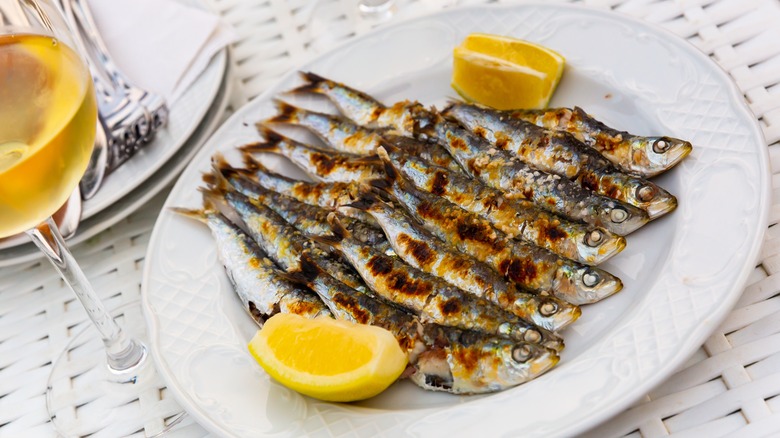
x,y
123,354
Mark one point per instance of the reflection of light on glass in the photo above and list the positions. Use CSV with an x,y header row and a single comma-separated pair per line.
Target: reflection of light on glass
x,y
379,10
332,22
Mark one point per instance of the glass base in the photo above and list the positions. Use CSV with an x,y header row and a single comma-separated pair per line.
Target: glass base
x,y
83,398
332,22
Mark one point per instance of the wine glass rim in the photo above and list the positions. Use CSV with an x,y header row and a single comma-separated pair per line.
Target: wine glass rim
x,y
23,30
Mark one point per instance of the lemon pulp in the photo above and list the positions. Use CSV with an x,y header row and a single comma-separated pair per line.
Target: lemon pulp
x,y
328,359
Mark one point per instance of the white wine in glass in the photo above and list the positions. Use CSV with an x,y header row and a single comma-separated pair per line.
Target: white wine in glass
x,y
48,114
47,128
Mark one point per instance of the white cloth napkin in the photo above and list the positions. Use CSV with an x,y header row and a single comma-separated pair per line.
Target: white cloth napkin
x,y
161,45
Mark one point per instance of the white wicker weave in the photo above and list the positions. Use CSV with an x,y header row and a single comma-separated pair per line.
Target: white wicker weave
x,y
728,387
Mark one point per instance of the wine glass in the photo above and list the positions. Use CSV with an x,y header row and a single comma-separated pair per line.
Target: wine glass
x,y
48,114
334,21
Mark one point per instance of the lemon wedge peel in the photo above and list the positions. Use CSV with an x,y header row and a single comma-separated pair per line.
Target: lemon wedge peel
x,y
505,72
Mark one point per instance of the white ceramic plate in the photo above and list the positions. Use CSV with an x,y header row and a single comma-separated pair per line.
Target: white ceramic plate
x,y
138,197
682,273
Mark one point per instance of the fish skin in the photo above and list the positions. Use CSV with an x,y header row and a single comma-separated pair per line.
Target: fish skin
x,y
529,266
424,251
477,362
322,194
349,304
634,154
502,171
264,290
345,135
353,104
517,218
562,154
326,166
284,244
431,298
431,152
309,219
338,133
548,191
360,107
441,358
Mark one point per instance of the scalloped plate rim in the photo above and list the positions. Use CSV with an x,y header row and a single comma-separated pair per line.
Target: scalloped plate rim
x,y
694,339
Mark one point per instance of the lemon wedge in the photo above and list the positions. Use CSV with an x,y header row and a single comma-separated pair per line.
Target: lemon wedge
x,y
328,359
505,73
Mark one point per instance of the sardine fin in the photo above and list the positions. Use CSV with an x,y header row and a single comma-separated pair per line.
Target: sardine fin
x,y
367,199
340,232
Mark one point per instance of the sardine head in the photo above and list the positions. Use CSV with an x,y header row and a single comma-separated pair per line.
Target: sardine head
x,y
585,284
598,245
620,218
523,362
651,198
549,312
653,155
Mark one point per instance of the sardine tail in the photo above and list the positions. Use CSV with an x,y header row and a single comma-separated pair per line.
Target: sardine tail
x,y
271,144
198,215
287,113
219,166
261,146
213,197
313,84
252,165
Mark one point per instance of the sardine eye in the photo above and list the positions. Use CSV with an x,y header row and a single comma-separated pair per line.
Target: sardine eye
x,y
661,145
591,279
594,238
618,215
548,309
521,353
645,193
532,336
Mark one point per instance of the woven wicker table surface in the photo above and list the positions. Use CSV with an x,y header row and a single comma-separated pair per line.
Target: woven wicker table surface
x,y
728,387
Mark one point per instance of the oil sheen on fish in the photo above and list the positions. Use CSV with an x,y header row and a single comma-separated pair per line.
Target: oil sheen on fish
x,y
643,156
346,136
353,104
338,133
327,166
502,171
283,243
309,219
477,362
263,289
431,152
326,195
430,297
441,358
429,253
562,154
517,218
493,167
529,266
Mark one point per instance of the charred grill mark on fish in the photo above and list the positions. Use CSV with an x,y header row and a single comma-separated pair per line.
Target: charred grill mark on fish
x,y
561,153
